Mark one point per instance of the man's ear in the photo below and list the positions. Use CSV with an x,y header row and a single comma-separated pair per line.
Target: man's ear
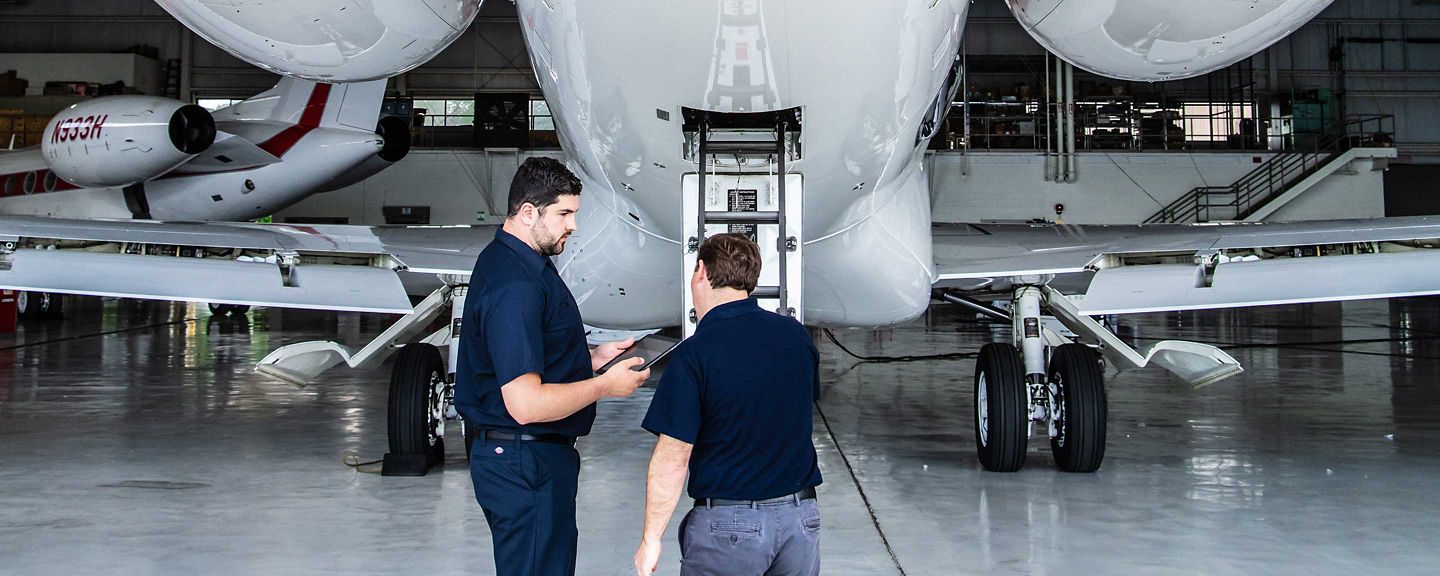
x,y
700,274
529,214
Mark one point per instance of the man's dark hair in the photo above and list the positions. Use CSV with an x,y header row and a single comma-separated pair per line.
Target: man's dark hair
x,y
540,181
731,260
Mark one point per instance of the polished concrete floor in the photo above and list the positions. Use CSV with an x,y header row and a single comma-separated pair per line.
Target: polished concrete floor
x,y
134,439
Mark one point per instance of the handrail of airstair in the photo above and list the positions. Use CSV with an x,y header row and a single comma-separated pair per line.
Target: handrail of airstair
x,y
1272,178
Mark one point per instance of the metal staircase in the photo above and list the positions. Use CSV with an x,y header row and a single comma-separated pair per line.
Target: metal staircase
x,y
1256,194
742,186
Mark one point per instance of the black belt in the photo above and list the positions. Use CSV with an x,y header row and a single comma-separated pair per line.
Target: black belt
x,y
806,494
486,435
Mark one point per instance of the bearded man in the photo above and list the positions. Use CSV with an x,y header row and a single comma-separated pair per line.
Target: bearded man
x,y
526,379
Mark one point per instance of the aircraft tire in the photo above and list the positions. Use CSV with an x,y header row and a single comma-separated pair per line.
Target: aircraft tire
x,y
38,305
1079,382
228,309
413,386
1002,424
54,305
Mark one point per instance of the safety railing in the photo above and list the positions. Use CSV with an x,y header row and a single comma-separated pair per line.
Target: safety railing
x,y
1274,177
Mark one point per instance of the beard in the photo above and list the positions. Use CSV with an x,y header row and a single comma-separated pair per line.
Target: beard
x,y
548,243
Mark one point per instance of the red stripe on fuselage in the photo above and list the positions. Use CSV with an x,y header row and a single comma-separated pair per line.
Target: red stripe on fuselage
x,y
281,143
277,146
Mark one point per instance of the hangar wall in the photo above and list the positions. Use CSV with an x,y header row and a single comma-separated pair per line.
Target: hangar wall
x,y
1383,56
1389,51
469,187
1124,187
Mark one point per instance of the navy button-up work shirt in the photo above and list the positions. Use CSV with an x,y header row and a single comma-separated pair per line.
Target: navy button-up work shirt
x,y
741,391
519,318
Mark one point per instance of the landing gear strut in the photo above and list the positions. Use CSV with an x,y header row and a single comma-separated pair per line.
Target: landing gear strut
x,y
1014,389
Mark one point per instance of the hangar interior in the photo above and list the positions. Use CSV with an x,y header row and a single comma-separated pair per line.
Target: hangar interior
x,y
137,439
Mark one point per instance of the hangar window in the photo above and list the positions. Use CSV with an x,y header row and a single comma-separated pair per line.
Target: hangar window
x,y
213,104
447,111
540,118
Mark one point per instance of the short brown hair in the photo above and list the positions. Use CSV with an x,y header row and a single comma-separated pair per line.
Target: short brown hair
x,y
540,181
731,260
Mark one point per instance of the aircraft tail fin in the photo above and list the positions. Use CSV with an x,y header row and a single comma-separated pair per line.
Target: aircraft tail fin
x,y
313,104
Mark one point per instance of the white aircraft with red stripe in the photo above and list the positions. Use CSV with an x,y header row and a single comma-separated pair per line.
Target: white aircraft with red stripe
x,y
154,158
804,120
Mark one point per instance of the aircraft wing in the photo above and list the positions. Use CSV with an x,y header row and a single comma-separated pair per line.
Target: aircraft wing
x,y
22,160
1150,268
352,268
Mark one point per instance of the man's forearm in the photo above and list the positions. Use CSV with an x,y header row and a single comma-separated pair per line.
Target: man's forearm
x,y
530,401
663,484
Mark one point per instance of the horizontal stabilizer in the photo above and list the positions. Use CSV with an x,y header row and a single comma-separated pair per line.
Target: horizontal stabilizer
x,y
229,153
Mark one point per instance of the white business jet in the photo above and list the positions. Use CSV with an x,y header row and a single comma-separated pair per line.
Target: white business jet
x,y
802,122
147,157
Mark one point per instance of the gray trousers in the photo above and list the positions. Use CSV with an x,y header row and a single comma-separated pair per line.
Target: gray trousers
x,y
780,539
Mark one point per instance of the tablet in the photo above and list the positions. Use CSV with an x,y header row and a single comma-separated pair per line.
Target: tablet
x,y
652,348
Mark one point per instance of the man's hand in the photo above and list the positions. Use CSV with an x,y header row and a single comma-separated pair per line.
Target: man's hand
x,y
622,379
606,352
647,557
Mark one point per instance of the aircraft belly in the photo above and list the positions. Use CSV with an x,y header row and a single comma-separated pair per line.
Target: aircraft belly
x,y
619,123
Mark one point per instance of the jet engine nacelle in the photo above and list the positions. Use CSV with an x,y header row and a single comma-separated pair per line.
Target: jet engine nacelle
x,y
329,40
1152,40
122,140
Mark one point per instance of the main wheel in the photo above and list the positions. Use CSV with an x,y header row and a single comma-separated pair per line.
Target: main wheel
x,y
1002,415
36,305
54,305
416,386
1079,384
231,309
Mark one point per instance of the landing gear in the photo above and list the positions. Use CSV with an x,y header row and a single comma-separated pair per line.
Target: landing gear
x,y
1001,410
229,309
1014,389
416,414
422,395
39,305
1077,383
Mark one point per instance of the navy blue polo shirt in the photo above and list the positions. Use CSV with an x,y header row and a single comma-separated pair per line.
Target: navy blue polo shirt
x,y
741,391
519,318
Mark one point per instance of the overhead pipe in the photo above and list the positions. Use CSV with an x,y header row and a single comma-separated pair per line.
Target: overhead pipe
x,y
1070,163
1050,115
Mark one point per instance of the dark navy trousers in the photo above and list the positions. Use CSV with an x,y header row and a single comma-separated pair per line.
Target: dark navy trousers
x,y
527,490
780,539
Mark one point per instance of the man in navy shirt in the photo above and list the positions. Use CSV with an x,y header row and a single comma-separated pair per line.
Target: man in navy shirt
x,y
526,379
735,407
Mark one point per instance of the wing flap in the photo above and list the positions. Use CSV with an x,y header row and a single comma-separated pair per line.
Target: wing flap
x,y
1136,289
312,286
1130,269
